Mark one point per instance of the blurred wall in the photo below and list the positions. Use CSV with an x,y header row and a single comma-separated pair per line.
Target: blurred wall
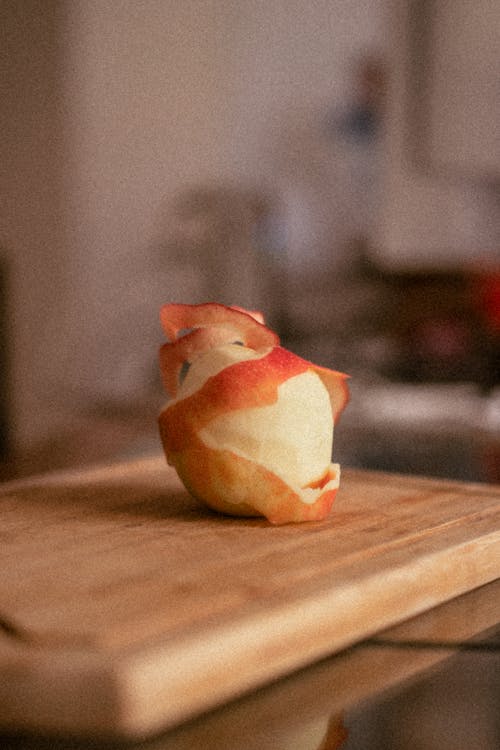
x,y
111,109
33,180
439,205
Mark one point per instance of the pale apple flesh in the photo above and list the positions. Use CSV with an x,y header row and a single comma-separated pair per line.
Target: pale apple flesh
x,y
250,429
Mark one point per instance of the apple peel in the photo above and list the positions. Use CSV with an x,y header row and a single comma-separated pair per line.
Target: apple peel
x,y
249,428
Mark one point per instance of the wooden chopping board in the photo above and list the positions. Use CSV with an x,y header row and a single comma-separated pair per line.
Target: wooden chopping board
x,y
125,607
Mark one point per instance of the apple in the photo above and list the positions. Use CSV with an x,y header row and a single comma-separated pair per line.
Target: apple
x,y
249,426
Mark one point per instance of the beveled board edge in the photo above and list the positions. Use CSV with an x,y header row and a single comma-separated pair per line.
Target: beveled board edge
x,y
138,692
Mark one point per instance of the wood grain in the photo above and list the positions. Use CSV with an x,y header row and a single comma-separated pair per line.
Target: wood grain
x,y
167,608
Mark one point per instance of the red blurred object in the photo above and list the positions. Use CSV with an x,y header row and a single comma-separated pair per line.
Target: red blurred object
x,y
488,299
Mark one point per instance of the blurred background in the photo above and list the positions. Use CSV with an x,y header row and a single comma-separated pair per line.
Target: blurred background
x,y
334,164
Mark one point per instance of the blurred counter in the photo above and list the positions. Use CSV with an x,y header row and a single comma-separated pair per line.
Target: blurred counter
x,y
441,430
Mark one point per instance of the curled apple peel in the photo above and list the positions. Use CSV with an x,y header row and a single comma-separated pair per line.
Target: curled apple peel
x,y
249,427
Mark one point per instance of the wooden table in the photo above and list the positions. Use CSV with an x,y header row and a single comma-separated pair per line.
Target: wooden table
x,y
127,608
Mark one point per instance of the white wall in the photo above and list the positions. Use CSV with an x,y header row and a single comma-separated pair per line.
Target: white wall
x,y
146,96
143,86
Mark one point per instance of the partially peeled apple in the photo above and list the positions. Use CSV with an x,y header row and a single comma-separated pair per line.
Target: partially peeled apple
x,y
249,426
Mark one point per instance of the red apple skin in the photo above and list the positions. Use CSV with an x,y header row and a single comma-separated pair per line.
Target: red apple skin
x,y
241,386
249,325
